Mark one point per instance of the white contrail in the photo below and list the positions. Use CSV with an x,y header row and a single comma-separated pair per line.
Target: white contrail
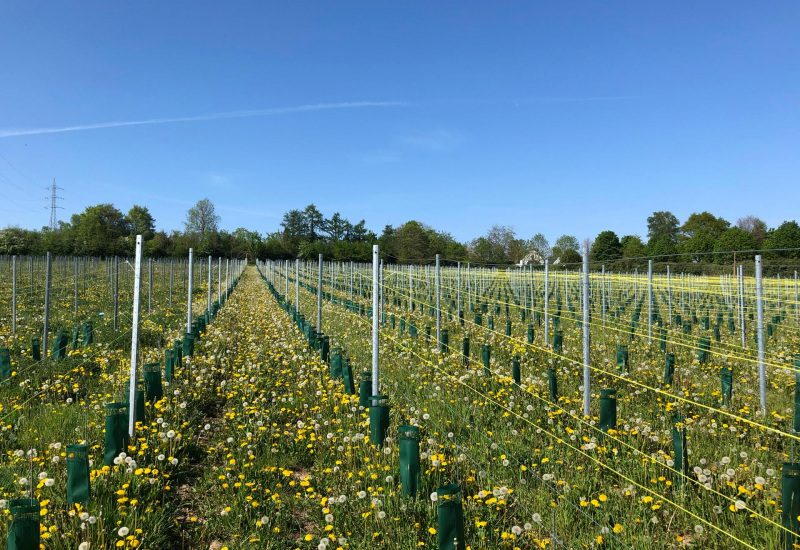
x,y
213,116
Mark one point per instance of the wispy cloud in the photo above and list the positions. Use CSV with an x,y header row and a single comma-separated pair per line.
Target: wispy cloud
x,y
213,116
529,100
381,157
437,140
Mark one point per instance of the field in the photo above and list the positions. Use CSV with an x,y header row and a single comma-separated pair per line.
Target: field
x,y
257,442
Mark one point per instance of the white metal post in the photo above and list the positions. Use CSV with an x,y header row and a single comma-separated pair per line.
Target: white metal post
x,y
76,286
669,296
137,287
649,302
14,294
586,370
189,297
375,320
762,374
209,284
48,279
458,292
546,300
438,306
319,296
603,297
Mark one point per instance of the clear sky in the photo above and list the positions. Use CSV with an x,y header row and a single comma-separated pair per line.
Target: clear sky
x,y
554,117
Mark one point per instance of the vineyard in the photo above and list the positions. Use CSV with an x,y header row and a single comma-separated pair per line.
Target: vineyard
x,y
544,407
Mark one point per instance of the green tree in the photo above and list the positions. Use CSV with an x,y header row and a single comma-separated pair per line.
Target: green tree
x,y
141,222
539,248
662,247
412,242
755,226
100,230
662,224
337,227
386,242
704,222
607,247
202,219
698,246
565,250
787,235
733,239
314,222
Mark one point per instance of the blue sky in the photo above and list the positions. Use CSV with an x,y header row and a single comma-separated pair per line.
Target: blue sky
x,y
552,117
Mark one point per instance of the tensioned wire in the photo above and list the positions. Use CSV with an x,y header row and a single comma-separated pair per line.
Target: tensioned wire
x,y
126,331
573,276
626,331
632,448
640,384
477,462
641,333
622,443
598,462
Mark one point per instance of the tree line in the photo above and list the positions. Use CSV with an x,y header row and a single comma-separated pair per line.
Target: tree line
x,y
701,240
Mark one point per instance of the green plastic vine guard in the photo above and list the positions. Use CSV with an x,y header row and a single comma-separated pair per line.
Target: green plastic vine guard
x,y
726,377
178,354
704,353
88,333
465,349
797,393
516,375
36,349
347,377
76,337
608,409
60,344
558,341
325,348
486,354
151,373
402,325
552,383
364,389
78,487
451,517
478,319
508,327
139,399
188,344
669,368
378,419
444,344
622,357
410,470
681,458
491,322
717,336
530,333
663,339
412,330
336,362
5,366
116,431
169,358
23,529
790,502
